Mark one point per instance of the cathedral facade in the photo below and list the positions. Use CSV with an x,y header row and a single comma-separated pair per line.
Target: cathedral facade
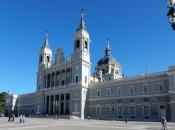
x,y
67,87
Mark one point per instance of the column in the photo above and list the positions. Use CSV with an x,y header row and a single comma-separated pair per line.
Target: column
x,y
64,103
70,75
46,80
70,108
49,103
54,103
42,105
60,77
59,103
50,79
55,79
65,76
45,104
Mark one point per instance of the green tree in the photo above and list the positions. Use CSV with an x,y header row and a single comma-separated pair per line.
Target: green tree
x,y
2,102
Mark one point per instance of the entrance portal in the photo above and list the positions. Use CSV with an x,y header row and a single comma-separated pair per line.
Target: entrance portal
x,y
62,108
162,112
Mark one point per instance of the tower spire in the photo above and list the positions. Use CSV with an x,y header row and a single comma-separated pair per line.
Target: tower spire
x,y
82,24
46,42
107,48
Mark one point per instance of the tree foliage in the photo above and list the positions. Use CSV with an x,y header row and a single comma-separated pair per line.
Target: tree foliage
x,y
2,102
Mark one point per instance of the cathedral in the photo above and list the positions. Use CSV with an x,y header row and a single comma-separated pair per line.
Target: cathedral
x,y
67,87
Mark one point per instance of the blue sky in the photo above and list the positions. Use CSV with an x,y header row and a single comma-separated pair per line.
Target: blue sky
x,y
139,33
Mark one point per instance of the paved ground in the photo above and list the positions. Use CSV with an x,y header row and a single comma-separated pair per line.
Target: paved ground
x,y
65,124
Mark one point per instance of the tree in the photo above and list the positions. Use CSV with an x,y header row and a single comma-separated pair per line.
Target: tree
x,y
2,102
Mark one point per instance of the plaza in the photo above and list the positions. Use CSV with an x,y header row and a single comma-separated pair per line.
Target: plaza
x,y
66,124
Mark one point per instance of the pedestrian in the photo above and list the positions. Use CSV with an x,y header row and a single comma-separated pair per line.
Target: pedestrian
x,y
23,118
20,119
13,116
163,123
9,118
89,118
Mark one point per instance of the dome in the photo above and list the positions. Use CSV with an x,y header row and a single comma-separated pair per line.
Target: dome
x,y
107,59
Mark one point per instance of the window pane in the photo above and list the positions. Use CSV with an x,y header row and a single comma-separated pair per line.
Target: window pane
x,y
145,89
98,110
76,78
120,110
108,110
132,110
146,110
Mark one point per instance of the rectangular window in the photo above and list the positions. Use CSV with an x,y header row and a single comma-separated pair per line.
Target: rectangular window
x,y
120,110
86,79
108,91
131,100
146,99
161,86
132,110
62,82
108,110
39,86
98,110
120,101
76,78
131,89
98,93
109,78
119,90
145,88
146,110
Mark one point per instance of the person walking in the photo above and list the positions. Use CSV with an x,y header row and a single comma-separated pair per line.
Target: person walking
x,y
9,118
89,118
24,118
20,119
13,116
165,124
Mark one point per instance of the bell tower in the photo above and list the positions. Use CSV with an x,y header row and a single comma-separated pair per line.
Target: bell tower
x,y
81,42
45,55
81,66
45,61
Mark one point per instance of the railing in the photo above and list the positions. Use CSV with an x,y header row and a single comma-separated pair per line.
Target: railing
x,y
129,78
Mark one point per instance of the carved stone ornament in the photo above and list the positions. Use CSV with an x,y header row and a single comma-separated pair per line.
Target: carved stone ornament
x,y
76,96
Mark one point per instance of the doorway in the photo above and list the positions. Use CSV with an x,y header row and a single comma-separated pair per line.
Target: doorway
x,y
162,111
62,108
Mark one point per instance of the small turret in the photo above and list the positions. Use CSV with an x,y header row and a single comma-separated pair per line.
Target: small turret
x,y
45,56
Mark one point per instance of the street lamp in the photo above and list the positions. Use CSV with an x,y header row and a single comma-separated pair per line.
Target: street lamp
x,y
19,105
113,112
171,12
56,103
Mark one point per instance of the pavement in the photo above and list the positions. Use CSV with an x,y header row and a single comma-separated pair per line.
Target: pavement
x,y
73,124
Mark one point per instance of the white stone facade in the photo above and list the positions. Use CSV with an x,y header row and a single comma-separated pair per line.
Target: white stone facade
x,y
67,87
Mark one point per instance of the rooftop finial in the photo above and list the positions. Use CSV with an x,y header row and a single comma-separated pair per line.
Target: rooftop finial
x,y
107,43
82,26
46,42
82,14
47,34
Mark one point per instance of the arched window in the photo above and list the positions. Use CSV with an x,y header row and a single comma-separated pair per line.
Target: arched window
x,y
78,43
86,45
48,59
41,58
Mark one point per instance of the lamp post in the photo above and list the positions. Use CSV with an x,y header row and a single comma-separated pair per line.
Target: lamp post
x,y
113,112
171,12
19,105
56,103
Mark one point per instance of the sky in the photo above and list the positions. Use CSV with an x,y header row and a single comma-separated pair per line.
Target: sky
x,y
138,30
